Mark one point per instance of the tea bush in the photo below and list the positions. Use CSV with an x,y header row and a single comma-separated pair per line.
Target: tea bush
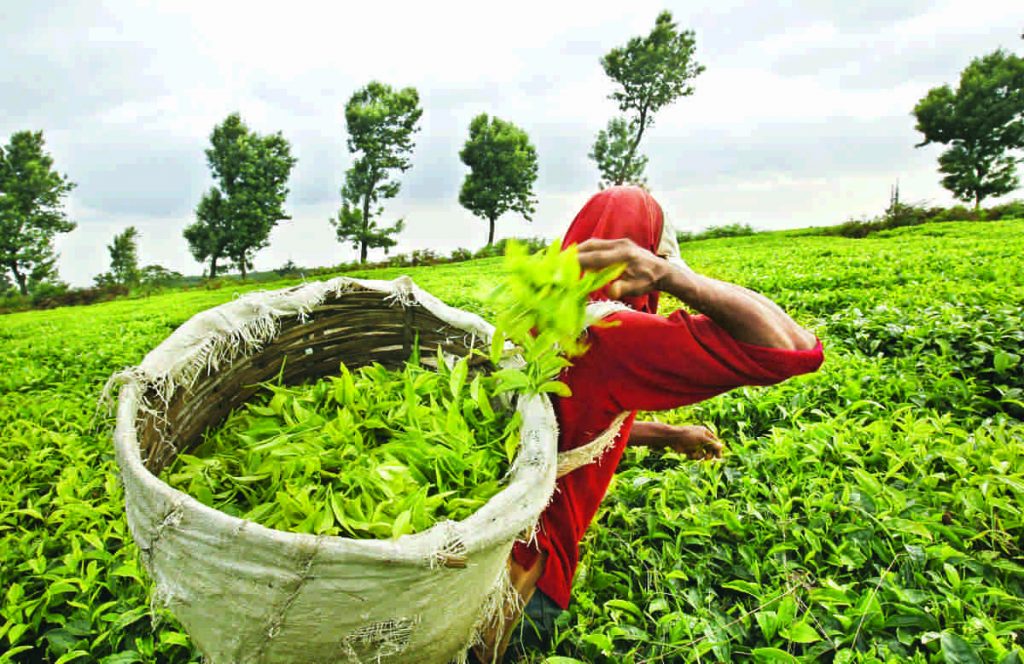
x,y
870,512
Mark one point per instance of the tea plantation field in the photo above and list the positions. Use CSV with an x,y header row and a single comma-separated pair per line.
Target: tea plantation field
x,y
871,512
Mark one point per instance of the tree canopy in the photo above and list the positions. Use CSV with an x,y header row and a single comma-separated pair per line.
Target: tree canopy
x,y
32,197
982,122
503,170
611,152
381,122
235,217
651,72
124,257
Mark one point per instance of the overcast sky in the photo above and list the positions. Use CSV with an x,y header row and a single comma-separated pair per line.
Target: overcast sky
x,y
801,118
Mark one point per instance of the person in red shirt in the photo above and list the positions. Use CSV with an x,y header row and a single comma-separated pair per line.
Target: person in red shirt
x,y
643,361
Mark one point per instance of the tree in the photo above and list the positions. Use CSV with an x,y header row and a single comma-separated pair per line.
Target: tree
x,y
982,122
615,156
31,210
234,218
261,199
381,123
503,169
124,257
652,72
208,236
158,275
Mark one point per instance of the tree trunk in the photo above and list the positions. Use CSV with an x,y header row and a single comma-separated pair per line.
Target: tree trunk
x,y
490,236
21,279
632,148
366,225
213,267
241,265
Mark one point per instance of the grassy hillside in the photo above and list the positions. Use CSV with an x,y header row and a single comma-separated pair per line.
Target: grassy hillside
x,y
870,512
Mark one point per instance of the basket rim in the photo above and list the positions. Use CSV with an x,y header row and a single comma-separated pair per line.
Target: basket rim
x,y
504,518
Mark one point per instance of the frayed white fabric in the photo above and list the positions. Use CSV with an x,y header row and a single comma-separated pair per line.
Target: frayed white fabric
x,y
592,452
246,593
668,246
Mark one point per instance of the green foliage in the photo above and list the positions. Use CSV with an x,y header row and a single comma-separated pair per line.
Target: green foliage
x,y
208,237
234,218
900,215
124,257
370,454
31,210
381,122
880,495
651,72
615,155
982,122
158,275
383,453
541,307
503,169
532,244
288,269
460,254
712,232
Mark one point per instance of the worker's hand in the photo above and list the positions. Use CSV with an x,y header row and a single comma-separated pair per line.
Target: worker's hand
x,y
696,442
643,270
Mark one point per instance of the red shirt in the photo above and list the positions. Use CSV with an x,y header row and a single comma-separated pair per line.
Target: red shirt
x,y
645,362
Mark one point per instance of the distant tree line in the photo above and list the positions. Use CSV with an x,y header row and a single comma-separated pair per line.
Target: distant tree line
x,y
899,215
980,123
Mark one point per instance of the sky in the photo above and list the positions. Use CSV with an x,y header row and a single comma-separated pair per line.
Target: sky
x,y
802,116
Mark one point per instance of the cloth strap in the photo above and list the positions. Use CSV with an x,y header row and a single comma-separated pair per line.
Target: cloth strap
x,y
570,460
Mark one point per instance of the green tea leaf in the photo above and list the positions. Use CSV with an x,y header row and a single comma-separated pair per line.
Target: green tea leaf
x,y
773,656
957,651
801,632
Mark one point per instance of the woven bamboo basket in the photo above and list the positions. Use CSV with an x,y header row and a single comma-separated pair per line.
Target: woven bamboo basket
x,y
246,593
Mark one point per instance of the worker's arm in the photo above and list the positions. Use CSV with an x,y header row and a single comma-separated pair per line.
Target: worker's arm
x,y
696,442
747,316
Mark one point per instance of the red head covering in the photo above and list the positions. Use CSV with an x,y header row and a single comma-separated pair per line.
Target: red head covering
x,y
616,213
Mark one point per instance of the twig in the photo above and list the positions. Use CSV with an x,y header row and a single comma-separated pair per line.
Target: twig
x,y
874,592
807,612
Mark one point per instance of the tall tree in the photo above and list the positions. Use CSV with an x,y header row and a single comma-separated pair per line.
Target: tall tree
x,y
503,169
982,122
381,122
124,257
234,218
651,72
31,209
260,201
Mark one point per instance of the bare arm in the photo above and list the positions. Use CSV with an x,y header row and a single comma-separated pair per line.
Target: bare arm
x,y
747,316
695,441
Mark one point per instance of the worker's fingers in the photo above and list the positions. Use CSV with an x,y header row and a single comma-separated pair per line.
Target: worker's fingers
x,y
600,244
596,254
624,288
601,258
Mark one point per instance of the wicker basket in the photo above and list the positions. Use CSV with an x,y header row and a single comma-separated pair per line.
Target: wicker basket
x,y
246,593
